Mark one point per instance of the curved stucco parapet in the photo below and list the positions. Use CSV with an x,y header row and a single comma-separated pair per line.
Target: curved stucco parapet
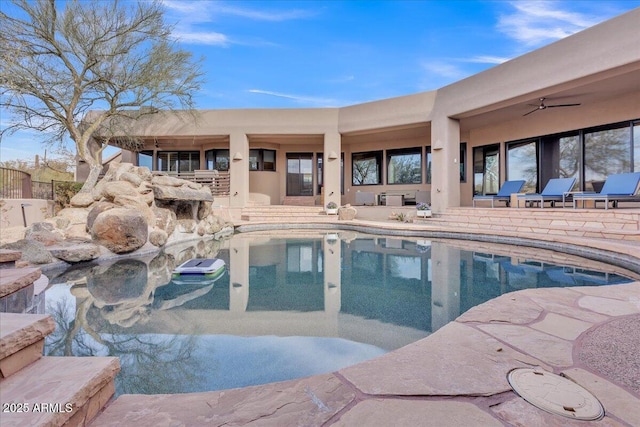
x,y
603,53
387,113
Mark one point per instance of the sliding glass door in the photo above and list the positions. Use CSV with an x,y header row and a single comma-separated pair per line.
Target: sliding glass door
x,y
299,174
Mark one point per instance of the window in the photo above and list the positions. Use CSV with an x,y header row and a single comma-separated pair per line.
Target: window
x,y
522,163
367,168
606,152
486,169
429,164
636,147
262,160
404,166
463,163
217,159
178,161
560,157
145,158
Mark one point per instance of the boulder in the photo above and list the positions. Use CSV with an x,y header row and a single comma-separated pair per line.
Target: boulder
x,y
158,237
204,210
131,178
82,200
186,225
182,193
32,251
347,212
119,188
165,220
75,252
96,210
167,181
44,235
138,204
120,230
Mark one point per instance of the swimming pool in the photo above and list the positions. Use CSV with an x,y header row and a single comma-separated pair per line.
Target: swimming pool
x,y
286,307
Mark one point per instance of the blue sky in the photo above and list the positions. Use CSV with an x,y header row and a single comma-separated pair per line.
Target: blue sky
x,y
296,54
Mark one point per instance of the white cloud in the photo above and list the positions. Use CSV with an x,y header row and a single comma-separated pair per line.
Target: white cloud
x,y
486,59
538,22
308,100
191,15
444,69
202,37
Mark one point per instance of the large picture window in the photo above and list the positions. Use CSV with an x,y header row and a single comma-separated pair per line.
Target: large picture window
x,y
404,166
367,168
262,160
178,161
606,152
522,163
217,159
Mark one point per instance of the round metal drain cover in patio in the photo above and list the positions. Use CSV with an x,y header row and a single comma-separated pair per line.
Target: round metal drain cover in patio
x,y
555,394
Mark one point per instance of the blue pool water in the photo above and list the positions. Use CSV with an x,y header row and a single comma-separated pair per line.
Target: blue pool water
x,y
285,307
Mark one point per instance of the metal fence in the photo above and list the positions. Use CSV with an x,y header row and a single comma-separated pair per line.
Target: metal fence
x,y
17,184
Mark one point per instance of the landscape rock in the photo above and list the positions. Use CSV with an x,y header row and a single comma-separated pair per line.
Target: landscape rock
x,y
186,225
131,178
32,251
165,220
120,230
75,252
182,193
96,210
118,188
82,200
158,237
347,212
44,233
167,181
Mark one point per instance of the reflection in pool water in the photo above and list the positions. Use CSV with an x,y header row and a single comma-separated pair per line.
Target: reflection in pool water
x,y
285,308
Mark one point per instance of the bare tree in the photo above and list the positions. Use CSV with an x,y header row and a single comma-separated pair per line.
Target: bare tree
x,y
58,61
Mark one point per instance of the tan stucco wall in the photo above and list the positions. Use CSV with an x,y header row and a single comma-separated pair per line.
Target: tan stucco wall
x,y
35,210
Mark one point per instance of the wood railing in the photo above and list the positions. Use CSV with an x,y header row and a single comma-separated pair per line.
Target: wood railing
x,y
218,181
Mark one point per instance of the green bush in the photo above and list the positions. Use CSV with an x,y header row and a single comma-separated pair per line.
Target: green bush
x,y
64,191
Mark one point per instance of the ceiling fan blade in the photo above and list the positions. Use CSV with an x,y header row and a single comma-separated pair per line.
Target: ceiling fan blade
x,y
532,111
563,105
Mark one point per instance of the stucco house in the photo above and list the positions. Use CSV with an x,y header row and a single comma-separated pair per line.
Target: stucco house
x,y
463,139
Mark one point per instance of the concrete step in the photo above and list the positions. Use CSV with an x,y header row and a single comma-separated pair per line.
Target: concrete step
x,y
57,391
17,289
8,258
22,340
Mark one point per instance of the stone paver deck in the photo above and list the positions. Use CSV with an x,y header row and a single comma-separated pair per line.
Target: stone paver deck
x,y
455,377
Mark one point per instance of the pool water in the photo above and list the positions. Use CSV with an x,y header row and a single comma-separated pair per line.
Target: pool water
x,y
285,307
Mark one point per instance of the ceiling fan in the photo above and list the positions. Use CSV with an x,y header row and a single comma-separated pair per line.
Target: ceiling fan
x,y
543,106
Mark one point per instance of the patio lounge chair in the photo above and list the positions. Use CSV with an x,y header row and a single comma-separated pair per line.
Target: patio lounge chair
x,y
556,190
504,195
618,187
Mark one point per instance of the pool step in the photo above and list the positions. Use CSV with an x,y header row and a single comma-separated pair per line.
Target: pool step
x,y
22,340
57,391
45,391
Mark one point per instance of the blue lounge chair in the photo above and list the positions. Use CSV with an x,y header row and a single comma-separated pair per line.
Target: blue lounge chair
x,y
504,195
556,190
618,187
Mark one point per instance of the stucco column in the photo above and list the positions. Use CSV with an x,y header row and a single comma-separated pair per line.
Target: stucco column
x,y
445,174
239,170
331,165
